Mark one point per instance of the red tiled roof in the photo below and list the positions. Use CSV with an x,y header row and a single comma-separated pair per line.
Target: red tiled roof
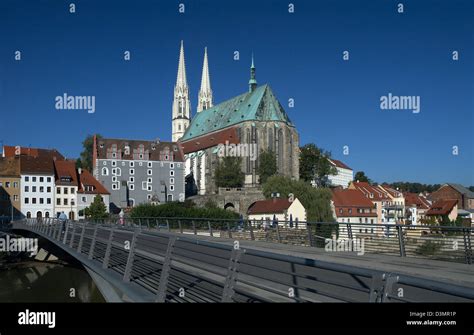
x,y
413,199
154,149
66,169
211,140
269,206
9,166
393,192
86,179
347,202
339,164
36,165
10,151
374,193
442,207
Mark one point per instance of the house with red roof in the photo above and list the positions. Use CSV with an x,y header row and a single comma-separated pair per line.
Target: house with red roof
x,y
416,207
344,176
442,208
283,210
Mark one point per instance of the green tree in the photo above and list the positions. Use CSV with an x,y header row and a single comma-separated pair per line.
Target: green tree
x,y
86,154
229,172
360,176
97,209
267,166
314,164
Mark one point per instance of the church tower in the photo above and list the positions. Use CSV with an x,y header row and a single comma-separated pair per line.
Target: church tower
x,y
181,104
205,93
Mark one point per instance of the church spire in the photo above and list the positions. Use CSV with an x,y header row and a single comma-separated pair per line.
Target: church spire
x,y
181,104
252,81
205,93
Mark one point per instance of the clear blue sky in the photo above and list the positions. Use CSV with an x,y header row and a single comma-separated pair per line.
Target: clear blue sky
x,y
299,55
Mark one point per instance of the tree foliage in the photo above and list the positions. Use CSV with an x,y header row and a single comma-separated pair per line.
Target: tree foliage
x,y
316,201
314,164
86,154
360,176
181,210
414,187
229,173
97,209
267,166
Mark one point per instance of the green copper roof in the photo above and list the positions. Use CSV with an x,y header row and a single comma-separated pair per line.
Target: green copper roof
x,y
259,105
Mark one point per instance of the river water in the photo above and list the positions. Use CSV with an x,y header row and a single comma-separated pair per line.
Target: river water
x,y
23,279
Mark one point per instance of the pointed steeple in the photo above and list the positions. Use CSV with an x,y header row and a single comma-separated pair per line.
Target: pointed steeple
x,y
252,81
205,93
181,115
181,78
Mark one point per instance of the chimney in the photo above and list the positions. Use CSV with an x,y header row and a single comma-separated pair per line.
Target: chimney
x,y
79,170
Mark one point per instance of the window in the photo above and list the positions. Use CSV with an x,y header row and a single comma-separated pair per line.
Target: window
x,y
41,201
15,198
350,210
58,202
7,184
171,166
41,188
72,190
105,171
65,202
33,189
149,164
114,163
27,200
33,179
33,200
27,188
58,190
171,180
171,187
49,179
132,171
72,202
149,196
41,179
132,179
144,186
65,190
171,173
340,210
114,179
149,180
84,199
114,186
132,187
48,201
48,189
149,188
27,178
132,164
141,157
15,184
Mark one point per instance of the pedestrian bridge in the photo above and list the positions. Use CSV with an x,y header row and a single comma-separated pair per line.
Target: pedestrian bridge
x,y
144,264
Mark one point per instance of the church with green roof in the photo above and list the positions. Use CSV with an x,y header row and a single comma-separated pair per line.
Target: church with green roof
x,y
251,122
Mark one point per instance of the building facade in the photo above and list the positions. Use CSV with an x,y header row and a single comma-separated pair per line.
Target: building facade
x,y
89,188
450,191
135,172
344,175
10,188
266,211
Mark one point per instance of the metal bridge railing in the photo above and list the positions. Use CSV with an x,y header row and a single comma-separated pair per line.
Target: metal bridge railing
x,y
423,241
171,267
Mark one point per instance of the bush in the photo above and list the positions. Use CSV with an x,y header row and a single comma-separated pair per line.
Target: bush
x,y
429,248
181,210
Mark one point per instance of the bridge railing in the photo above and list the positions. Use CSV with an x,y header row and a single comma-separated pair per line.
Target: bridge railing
x,y
422,241
186,268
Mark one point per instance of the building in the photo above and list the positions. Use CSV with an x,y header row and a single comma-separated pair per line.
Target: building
x,y
280,209
16,151
376,195
464,197
89,188
441,208
352,206
37,183
10,188
135,172
241,126
416,207
66,187
344,175
395,207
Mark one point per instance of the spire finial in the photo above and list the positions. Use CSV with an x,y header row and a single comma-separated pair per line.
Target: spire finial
x,y
181,78
252,81
205,93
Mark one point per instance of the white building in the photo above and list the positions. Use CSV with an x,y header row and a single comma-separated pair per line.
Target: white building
x,y
66,187
89,188
37,182
283,210
344,175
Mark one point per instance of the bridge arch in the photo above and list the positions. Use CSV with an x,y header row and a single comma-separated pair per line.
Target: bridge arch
x,y
229,206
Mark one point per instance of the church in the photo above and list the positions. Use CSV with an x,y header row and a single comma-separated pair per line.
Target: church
x,y
255,118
